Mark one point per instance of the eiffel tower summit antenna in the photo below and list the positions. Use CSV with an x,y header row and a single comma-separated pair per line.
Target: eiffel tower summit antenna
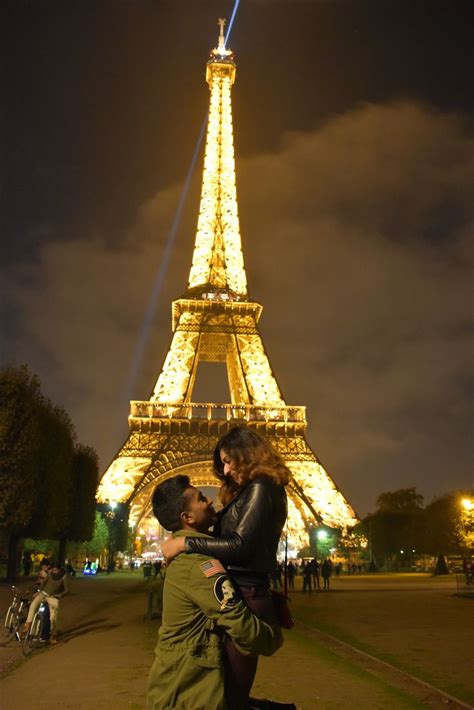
x,y
221,47
216,321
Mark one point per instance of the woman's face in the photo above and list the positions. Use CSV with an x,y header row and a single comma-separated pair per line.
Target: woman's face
x,y
230,469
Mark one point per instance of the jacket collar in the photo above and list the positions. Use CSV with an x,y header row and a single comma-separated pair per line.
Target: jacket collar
x,y
223,510
190,533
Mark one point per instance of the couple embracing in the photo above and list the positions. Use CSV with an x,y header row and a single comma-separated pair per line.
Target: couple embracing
x,y
218,614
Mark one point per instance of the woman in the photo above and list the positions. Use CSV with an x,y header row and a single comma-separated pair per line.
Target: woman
x,y
246,534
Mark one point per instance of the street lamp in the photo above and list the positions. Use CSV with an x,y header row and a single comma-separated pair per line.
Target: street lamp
x,y
321,536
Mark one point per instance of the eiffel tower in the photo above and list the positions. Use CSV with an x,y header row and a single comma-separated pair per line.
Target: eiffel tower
x,y
216,321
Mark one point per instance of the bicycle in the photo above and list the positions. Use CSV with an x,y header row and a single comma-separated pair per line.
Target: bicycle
x,y
16,615
38,633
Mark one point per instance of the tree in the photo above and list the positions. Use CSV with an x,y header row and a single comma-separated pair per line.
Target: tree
x,y
116,518
100,539
384,532
441,566
396,525
445,524
355,540
404,500
97,543
41,481
118,528
82,506
20,441
323,540
54,461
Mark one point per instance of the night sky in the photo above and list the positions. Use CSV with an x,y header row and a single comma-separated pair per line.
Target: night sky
x,y
353,125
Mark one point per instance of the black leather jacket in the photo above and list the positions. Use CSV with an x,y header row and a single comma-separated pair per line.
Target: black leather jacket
x,y
247,531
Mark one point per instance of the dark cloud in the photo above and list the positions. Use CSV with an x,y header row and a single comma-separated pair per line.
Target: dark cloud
x,y
102,101
366,290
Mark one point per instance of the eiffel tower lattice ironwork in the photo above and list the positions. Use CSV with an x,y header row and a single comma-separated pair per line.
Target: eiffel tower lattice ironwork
x,y
215,321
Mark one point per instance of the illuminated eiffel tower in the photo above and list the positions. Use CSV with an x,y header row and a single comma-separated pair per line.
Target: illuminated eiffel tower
x,y
215,321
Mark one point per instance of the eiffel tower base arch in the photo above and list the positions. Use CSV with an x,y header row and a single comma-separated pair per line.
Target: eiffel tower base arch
x,y
177,446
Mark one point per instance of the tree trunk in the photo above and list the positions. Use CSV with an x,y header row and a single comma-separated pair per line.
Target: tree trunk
x,y
441,565
13,562
62,551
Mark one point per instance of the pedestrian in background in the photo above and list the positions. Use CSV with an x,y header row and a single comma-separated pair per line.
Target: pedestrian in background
x,y
307,576
315,572
291,572
326,571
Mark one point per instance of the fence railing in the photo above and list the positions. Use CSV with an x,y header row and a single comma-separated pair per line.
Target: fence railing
x,y
208,410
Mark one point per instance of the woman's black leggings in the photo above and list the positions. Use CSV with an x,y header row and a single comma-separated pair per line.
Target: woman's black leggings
x,y
240,670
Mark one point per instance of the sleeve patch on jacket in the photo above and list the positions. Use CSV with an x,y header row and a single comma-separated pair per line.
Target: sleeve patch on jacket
x,y
211,567
225,593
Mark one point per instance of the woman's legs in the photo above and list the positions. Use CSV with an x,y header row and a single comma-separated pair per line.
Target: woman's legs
x,y
33,607
53,604
241,670
239,676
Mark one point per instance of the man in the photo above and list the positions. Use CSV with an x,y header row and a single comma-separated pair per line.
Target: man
x,y
54,586
200,605
291,572
315,572
326,571
307,576
157,565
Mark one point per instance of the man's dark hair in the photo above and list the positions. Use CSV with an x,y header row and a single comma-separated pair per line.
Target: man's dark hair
x,y
169,502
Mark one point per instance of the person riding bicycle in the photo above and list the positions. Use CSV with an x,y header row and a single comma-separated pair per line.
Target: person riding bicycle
x,y
52,588
45,566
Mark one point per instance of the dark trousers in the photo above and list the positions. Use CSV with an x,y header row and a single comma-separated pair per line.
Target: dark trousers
x,y
240,670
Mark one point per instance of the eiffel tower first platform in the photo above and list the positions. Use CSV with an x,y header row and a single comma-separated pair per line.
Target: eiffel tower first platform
x,y
216,321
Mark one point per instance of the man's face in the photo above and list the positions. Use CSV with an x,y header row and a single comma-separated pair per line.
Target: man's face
x,y
200,513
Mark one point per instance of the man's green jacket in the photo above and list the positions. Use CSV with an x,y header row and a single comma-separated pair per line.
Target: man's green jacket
x,y
199,606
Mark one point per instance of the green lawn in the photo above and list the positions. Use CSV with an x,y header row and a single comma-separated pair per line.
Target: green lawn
x,y
411,621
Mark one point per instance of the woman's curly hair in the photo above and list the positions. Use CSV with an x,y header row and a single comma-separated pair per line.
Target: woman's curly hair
x,y
253,456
